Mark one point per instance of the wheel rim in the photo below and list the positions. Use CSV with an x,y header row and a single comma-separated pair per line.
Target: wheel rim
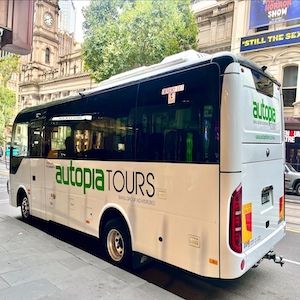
x,y
115,245
25,207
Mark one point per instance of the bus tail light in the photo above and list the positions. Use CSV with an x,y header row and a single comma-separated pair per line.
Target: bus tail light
x,y
281,209
235,223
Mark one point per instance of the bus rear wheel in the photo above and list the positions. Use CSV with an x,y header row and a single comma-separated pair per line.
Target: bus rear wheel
x,y
117,243
25,209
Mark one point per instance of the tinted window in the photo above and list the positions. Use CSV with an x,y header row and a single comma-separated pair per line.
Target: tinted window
x,y
36,139
110,135
20,140
104,138
263,84
60,142
178,117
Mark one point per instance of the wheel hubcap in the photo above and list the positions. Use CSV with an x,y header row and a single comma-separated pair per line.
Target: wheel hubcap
x,y
115,245
25,207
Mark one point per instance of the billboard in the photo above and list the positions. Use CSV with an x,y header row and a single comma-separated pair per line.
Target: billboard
x,y
276,38
266,12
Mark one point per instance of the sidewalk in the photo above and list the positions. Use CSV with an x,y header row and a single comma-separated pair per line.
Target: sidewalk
x,y
3,168
35,265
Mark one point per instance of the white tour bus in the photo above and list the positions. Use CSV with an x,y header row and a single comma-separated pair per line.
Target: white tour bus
x,y
182,161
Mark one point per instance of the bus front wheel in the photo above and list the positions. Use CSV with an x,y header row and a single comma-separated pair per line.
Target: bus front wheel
x,y
117,243
25,209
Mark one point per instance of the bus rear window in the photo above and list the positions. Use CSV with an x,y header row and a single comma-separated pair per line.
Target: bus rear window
x,y
262,83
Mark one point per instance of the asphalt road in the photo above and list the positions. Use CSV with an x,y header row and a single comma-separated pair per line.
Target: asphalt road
x,y
292,212
268,281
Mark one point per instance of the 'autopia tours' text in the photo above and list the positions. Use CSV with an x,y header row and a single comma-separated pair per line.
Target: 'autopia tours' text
x,y
132,182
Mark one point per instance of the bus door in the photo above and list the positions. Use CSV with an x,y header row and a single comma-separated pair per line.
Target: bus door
x,y
37,176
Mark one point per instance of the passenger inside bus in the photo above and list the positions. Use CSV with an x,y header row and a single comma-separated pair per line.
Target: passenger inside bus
x,y
69,143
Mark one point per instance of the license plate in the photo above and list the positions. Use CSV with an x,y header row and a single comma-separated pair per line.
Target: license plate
x,y
266,195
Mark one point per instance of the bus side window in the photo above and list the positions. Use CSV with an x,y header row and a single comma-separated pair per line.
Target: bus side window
x,y
36,139
112,129
186,121
35,144
59,139
20,141
82,139
69,145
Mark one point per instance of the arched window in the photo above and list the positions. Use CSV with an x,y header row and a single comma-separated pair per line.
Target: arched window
x,y
289,85
47,56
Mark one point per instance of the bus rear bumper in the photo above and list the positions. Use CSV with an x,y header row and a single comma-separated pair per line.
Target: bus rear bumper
x,y
258,252
234,265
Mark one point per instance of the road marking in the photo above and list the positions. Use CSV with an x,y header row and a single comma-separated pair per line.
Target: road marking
x,y
291,262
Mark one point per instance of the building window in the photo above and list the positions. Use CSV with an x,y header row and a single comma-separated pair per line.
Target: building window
x,y
47,56
75,68
263,28
289,86
292,23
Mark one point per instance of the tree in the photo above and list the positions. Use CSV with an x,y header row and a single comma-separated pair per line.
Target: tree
x,y
99,12
8,65
7,109
129,34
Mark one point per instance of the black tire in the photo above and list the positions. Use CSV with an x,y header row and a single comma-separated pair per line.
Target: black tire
x,y
297,189
25,208
116,243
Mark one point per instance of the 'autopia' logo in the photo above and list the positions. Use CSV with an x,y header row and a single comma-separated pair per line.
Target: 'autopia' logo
x,y
264,112
99,179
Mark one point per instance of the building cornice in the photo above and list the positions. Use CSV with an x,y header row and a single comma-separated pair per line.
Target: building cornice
x,y
29,83
65,78
216,11
46,36
54,80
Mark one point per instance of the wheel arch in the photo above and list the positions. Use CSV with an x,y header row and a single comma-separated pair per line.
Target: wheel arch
x,y
21,192
113,211
296,182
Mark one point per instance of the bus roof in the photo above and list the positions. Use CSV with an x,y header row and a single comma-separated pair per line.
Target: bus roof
x,y
171,63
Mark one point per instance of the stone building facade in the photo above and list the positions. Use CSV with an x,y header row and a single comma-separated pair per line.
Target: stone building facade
x,y
215,20
275,45
54,69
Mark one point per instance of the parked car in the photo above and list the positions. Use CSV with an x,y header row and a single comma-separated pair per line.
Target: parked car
x,y
291,179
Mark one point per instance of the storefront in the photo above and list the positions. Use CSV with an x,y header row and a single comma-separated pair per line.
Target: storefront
x,y
292,140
